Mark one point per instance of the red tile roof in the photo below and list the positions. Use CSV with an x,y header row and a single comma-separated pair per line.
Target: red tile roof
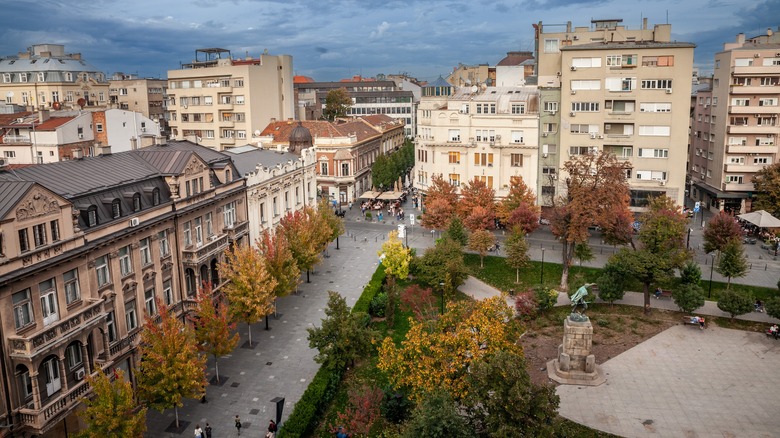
x,y
299,79
53,123
281,130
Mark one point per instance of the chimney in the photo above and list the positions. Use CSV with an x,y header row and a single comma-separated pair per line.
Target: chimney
x,y
740,38
78,154
43,115
104,150
133,143
568,27
644,23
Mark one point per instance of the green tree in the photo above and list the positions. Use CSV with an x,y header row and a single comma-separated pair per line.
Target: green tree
x,y
171,368
249,287
213,327
504,402
443,263
457,232
437,416
516,247
583,252
719,231
772,307
612,283
481,241
383,171
343,336
767,189
337,104
688,297
690,273
395,259
735,302
732,261
112,409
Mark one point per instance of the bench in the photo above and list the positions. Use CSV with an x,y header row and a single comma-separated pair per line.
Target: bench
x,y
689,320
664,294
769,333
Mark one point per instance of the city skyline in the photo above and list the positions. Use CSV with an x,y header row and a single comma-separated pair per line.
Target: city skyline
x,y
338,39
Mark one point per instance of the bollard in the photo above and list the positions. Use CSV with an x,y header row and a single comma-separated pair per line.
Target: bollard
x,y
376,238
765,267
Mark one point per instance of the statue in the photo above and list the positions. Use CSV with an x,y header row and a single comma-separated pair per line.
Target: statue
x,y
579,297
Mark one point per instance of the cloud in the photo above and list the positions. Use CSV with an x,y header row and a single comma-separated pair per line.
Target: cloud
x,y
322,50
380,30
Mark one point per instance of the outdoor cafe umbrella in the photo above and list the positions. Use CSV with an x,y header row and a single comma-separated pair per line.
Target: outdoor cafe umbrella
x,y
761,219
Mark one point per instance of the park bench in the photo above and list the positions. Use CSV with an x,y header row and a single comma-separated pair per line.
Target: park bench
x,y
664,294
689,320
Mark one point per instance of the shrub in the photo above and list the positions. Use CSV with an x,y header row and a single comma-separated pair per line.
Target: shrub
x,y
526,306
611,287
688,297
373,288
545,298
368,215
420,301
396,406
378,305
690,273
772,307
735,302
603,322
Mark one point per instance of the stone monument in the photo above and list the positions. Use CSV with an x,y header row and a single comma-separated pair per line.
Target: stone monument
x,y
575,364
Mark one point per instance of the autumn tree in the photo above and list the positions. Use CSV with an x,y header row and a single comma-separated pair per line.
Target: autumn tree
x,y
438,355
171,367
213,327
112,409
364,408
595,187
519,207
440,200
303,234
419,301
457,232
719,231
480,242
337,104
343,336
662,250
249,287
516,248
732,261
279,262
767,189
332,225
395,259
476,206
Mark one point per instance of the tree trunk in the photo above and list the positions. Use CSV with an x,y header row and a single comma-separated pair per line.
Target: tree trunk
x,y
481,258
266,323
647,298
249,329
568,255
307,276
216,368
176,412
728,284
517,275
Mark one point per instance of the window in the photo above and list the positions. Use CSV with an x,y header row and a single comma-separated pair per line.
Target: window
x,y
149,304
649,107
761,160
208,100
146,251
23,315
41,76
656,84
238,83
455,179
586,62
209,224
518,108
736,160
111,327
24,241
517,136
586,85
167,292
22,77
136,202
73,355
454,157
130,317
344,169
653,153
771,101
579,150
324,168
614,60
616,84
483,159
516,160
39,235
92,216
230,214
551,46
488,180
125,262
585,106
658,131
187,233
768,81
658,61
9,154
549,171
549,127
6,77
734,179
26,384
199,231
116,209
454,135
99,127
71,280
651,175
551,106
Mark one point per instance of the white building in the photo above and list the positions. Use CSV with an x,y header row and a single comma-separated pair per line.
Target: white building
x,y
127,130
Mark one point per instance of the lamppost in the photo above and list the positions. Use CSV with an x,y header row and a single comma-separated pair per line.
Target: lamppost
x,y
441,286
688,243
541,279
712,267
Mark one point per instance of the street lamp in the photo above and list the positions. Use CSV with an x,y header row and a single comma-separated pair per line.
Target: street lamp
x,y
541,279
688,243
712,267
441,286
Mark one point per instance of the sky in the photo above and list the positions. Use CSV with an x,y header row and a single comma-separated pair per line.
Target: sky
x,y
335,39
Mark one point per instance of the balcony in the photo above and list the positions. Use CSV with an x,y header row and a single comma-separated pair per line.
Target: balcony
x,y
740,149
753,109
195,256
237,231
48,337
42,419
15,139
752,129
750,70
755,89
736,187
744,168
124,345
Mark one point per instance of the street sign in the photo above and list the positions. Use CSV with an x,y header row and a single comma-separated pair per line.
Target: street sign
x,y
696,207
401,231
411,219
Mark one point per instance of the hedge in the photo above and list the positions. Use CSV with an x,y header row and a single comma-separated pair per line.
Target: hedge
x,y
323,387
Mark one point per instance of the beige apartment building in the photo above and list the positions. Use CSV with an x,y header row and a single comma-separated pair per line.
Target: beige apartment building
x,y
620,91
143,95
735,129
477,132
45,77
220,101
82,260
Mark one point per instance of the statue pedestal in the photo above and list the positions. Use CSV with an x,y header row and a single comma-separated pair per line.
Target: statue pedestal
x,y
575,365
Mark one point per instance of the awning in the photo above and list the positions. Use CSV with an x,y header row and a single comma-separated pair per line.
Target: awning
x,y
761,219
390,195
370,195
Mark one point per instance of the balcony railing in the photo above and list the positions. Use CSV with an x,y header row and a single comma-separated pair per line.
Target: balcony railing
x,y
42,339
39,419
196,256
123,345
237,231
11,139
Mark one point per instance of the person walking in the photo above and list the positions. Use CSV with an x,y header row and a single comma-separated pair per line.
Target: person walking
x,y
198,431
238,424
271,429
207,431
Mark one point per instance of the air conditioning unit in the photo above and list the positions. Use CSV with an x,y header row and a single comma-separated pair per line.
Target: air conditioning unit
x,y
544,134
143,129
3,162
81,135
601,137
661,183
572,114
573,91
80,374
553,112
668,91
498,137
134,222
573,68
544,155
592,135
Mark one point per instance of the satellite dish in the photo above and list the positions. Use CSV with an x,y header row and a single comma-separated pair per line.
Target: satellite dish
x,y
56,105
81,102
257,133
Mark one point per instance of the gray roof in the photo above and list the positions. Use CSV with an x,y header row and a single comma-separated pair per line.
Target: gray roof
x,y
207,154
440,82
247,161
168,162
10,193
14,64
629,44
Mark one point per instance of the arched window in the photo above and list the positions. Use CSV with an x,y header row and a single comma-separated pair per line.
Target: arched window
x,y
116,209
137,202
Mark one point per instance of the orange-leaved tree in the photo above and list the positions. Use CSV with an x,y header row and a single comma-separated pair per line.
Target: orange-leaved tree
x,y
213,327
249,287
304,236
112,410
279,262
481,241
171,367
440,200
476,206
519,207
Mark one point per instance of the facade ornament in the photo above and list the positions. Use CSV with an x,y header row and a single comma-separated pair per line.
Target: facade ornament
x,y
38,204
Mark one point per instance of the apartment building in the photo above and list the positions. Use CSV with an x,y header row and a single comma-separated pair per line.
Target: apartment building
x,y
82,260
735,129
146,96
618,90
477,132
45,77
368,97
220,101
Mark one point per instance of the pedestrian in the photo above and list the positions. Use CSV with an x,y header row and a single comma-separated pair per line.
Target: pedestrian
x,y
341,433
350,205
238,424
271,429
207,431
198,431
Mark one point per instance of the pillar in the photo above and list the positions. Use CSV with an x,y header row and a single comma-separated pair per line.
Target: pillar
x,y
85,359
63,378
36,389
